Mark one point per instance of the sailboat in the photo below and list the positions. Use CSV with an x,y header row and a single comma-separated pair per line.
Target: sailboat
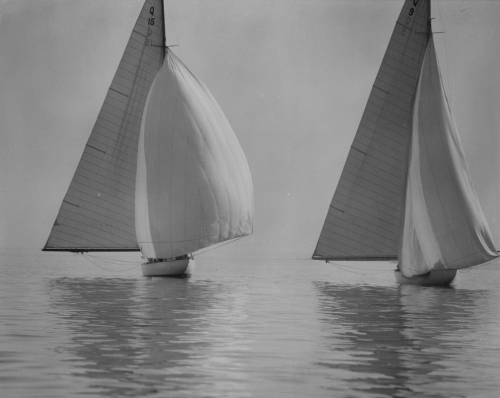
x,y
162,172
405,193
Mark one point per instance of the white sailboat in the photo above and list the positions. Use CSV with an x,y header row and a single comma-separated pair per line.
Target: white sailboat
x,y
162,171
405,193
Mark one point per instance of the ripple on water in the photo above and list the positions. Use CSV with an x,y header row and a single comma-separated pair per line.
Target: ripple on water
x,y
255,329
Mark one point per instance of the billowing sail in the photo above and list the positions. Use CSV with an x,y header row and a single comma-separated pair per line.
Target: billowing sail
x,y
194,187
97,212
363,220
444,226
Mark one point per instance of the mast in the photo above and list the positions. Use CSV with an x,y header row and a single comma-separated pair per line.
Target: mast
x,y
164,29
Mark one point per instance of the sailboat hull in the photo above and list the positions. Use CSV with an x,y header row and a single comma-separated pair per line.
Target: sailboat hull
x,y
176,268
433,278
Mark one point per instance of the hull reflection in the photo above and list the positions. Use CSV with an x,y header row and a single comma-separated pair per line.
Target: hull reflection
x,y
141,337
391,341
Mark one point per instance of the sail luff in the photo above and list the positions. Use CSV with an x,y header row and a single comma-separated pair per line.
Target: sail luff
x,y
97,213
363,218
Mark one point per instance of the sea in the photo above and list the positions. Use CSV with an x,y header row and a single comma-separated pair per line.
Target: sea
x,y
74,325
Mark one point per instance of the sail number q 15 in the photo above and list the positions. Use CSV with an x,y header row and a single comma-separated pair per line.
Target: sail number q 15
x,y
151,21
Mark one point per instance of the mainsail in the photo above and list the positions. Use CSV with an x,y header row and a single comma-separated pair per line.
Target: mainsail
x,y
97,213
444,225
162,171
194,187
363,220
405,192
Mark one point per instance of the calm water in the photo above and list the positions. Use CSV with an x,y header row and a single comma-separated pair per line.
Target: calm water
x,y
243,329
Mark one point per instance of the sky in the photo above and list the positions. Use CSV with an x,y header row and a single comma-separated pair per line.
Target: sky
x,y
292,77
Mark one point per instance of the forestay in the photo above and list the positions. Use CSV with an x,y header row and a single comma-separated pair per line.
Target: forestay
x,y
97,212
363,220
194,187
444,226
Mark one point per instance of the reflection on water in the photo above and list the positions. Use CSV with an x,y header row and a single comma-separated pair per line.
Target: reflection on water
x,y
243,329
400,341
132,336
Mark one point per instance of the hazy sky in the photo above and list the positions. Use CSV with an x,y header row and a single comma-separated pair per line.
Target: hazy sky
x,y
292,77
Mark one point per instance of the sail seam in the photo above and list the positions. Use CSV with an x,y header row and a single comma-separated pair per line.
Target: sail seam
x,y
220,173
109,190
97,149
114,202
365,237
367,173
101,215
349,214
381,135
101,160
130,104
397,130
359,210
66,212
354,198
388,240
119,92
83,235
120,129
344,244
387,101
382,114
351,247
131,120
374,161
106,174
364,191
72,204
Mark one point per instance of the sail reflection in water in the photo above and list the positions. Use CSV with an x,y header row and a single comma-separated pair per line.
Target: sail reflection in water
x,y
402,341
249,329
132,337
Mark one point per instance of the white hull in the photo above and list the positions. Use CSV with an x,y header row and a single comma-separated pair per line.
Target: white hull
x,y
184,267
433,278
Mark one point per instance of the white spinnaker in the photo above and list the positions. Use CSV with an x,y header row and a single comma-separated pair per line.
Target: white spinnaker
x,y
444,225
193,186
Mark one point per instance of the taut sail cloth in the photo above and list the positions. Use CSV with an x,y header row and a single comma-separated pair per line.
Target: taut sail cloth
x,y
444,225
405,191
194,187
363,220
162,166
98,213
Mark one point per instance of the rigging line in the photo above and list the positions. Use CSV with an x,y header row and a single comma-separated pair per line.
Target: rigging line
x,y
108,260
359,273
107,269
358,268
115,261
216,247
165,5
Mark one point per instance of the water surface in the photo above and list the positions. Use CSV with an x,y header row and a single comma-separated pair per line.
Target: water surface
x,y
242,328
